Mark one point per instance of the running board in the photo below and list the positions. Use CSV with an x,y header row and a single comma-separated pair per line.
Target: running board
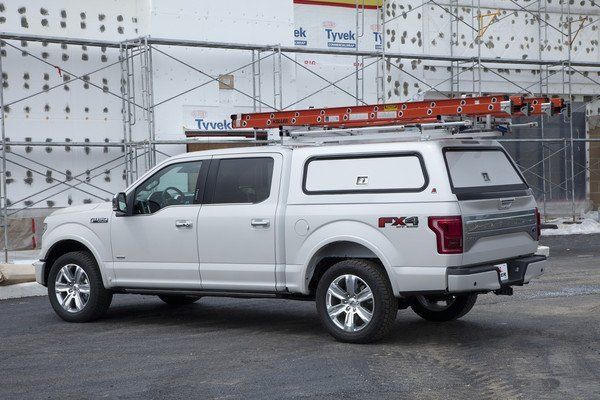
x,y
213,293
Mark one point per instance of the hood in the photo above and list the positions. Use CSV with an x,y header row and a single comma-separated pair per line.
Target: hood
x,y
82,208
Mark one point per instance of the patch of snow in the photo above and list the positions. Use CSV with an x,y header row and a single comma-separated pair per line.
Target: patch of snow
x,y
22,290
589,223
564,292
543,251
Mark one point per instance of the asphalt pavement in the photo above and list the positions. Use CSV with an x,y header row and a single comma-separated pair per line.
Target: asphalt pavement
x,y
543,342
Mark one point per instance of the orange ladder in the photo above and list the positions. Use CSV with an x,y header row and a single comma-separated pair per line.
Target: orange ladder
x,y
406,113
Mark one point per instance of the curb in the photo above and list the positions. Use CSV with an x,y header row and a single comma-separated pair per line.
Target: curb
x,y
11,274
19,290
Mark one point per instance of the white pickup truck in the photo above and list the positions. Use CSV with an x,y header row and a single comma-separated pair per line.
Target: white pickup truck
x,y
364,230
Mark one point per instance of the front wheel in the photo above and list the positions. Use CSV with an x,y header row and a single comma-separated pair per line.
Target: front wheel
x,y
443,308
75,288
355,301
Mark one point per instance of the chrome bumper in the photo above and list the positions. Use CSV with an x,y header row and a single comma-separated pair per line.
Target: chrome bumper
x,y
487,277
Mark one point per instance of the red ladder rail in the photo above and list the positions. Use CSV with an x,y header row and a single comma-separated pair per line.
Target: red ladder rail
x,y
413,112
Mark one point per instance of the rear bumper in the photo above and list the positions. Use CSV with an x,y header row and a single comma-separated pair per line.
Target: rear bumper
x,y
487,277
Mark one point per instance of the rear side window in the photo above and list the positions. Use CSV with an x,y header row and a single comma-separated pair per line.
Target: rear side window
x,y
380,173
482,169
242,180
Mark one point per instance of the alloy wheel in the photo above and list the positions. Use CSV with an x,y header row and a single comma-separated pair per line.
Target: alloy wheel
x,y
350,303
72,288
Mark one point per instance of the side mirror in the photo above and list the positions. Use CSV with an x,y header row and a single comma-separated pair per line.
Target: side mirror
x,y
119,203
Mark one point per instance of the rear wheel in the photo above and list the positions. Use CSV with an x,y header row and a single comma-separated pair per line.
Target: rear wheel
x,y
355,301
178,300
443,308
75,288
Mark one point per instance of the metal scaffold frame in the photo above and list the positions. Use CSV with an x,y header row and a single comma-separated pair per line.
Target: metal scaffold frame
x,y
138,101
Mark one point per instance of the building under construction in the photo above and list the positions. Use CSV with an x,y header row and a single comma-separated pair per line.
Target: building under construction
x,y
94,93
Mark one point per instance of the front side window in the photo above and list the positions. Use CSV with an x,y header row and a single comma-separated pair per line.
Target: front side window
x,y
175,184
242,180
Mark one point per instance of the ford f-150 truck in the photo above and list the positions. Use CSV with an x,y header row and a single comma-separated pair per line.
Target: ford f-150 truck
x,y
364,230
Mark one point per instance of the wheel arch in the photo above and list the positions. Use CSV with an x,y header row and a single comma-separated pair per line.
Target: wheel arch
x,y
73,237
365,241
67,245
340,249
60,248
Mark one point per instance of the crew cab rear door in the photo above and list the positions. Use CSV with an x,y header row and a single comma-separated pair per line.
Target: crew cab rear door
x,y
237,222
497,206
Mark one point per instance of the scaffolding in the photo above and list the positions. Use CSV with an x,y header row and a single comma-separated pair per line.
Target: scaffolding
x,y
137,93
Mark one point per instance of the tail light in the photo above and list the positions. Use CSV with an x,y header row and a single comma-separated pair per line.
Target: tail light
x,y
538,221
448,233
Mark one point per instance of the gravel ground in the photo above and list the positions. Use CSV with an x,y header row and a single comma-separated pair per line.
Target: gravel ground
x,y
543,342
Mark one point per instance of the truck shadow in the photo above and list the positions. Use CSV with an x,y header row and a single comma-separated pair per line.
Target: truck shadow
x,y
301,319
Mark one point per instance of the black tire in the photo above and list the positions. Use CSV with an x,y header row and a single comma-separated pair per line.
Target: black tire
x,y
99,297
178,300
384,304
461,305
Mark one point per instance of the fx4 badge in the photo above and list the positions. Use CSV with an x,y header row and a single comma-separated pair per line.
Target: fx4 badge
x,y
98,220
399,222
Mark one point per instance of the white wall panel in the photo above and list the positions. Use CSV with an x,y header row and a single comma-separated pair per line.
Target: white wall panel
x,y
515,34
235,21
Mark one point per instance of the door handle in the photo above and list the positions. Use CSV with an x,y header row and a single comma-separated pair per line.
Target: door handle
x,y
183,224
264,223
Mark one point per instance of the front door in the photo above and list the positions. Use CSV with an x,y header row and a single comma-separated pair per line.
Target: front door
x,y
236,224
157,246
